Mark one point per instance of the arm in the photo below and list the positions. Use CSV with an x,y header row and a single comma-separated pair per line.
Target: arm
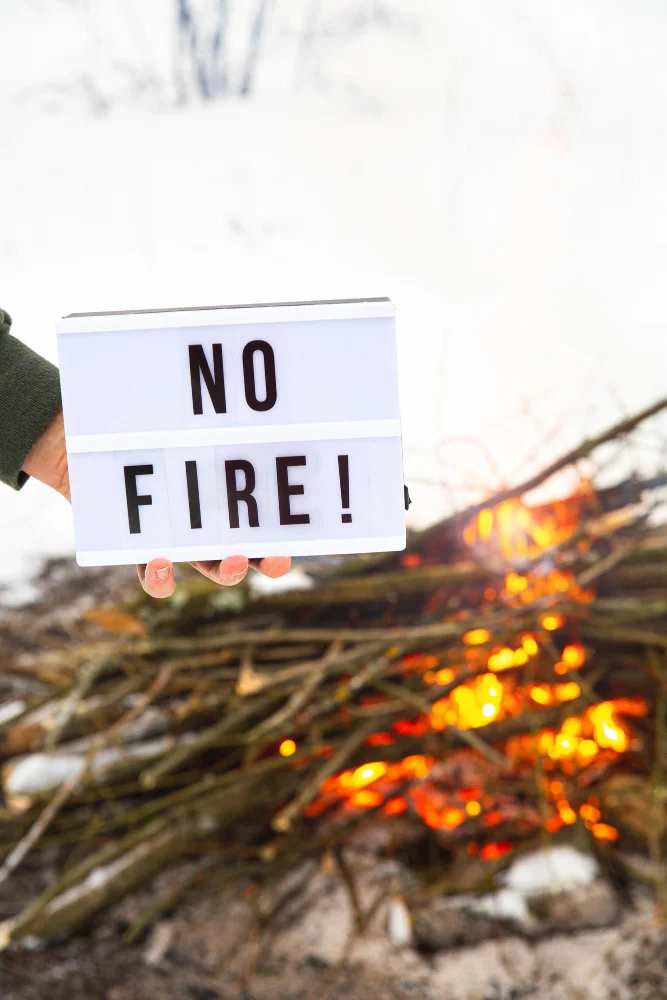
x,y
30,406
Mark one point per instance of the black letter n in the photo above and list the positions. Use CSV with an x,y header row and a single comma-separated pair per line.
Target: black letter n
x,y
215,383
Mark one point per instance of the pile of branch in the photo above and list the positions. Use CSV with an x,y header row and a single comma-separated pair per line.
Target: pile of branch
x,y
211,724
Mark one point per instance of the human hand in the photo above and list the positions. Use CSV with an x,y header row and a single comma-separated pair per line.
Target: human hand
x,y
47,461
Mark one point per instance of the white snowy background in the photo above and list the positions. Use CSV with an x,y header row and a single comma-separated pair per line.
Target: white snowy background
x,y
497,167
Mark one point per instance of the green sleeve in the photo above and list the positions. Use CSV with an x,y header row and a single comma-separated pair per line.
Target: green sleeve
x,y
29,398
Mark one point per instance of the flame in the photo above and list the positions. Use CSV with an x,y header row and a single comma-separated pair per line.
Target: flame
x,y
608,732
471,705
580,738
512,533
519,532
599,730
594,736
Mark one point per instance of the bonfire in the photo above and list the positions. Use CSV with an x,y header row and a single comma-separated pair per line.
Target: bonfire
x,y
499,685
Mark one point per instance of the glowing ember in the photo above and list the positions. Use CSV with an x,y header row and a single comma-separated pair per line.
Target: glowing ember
x,y
529,645
574,655
515,584
493,818
491,852
380,740
587,749
552,622
476,637
287,748
366,799
605,832
367,774
395,807
566,813
567,692
416,766
502,660
589,813
541,693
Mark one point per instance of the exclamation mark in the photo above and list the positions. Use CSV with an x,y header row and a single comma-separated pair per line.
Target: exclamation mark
x,y
344,476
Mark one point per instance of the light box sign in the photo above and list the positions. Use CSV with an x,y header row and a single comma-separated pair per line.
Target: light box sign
x,y
254,430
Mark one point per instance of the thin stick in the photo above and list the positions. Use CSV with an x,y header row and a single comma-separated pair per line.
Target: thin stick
x,y
284,820
25,845
54,806
88,674
295,703
583,450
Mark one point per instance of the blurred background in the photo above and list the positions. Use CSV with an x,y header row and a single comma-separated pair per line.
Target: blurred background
x,y
495,166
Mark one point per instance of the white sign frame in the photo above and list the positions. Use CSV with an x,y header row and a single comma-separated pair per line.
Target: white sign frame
x,y
356,415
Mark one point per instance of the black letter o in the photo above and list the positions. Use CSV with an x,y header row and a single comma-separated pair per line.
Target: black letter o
x,y
269,375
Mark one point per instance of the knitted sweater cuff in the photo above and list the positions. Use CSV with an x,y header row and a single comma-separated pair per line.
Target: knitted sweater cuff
x,y
29,399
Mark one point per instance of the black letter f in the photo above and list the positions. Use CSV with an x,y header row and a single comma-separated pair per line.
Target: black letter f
x,y
134,501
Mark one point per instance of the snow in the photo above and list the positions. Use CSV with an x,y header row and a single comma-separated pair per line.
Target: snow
x,y
399,923
98,878
497,168
553,869
296,579
507,904
545,871
11,710
41,772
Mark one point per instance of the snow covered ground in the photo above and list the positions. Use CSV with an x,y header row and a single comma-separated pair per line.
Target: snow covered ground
x,y
495,166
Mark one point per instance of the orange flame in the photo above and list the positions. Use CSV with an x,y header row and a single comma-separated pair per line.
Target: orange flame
x,y
517,534
520,532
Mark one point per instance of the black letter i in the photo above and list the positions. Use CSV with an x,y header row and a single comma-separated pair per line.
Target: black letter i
x,y
193,494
